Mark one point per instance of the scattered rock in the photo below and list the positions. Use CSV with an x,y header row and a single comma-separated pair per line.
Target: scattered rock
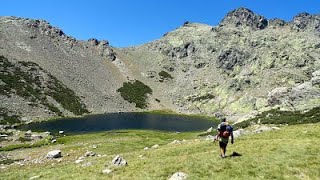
x,y
146,148
155,146
210,130
263,129
119,161
210,138
238,133
175,142
34,177
81,158
36,137
275,128
78,161
54,154
88,164
89,153
53,141
61,132
179,176
106,171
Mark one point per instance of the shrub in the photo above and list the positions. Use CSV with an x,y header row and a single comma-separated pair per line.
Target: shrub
x,y
135,92
165,75
284,117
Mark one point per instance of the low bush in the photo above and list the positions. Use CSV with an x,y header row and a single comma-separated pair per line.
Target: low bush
x,y
135,92
283,117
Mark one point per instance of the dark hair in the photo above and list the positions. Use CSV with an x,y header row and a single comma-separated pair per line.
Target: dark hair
x,y
223,119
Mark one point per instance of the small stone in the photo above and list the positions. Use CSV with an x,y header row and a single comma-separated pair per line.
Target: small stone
x,y
78,161
61,132
146,148
179,176
34,177
81,158
87,164
210,138
275,128
155,146
119,161
89,153
54,154
106,171
53,141
175,142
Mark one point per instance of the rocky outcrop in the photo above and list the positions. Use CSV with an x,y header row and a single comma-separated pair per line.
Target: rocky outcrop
x,y
306,22
103,48
228,59
243,17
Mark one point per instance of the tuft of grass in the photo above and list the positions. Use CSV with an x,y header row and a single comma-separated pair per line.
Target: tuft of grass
x,y
135,92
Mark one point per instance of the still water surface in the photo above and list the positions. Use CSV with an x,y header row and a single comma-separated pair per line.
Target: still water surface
x,y
118,121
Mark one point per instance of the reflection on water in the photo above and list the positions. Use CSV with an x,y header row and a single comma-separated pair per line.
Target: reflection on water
x,y
117,121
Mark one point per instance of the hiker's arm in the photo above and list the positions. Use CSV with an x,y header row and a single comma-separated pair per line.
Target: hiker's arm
x,y
231,137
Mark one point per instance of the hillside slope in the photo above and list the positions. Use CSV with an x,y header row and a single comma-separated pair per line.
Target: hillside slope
x,y
243,66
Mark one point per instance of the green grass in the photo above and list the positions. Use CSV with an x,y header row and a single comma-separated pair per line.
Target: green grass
x,y
135,92
289,153
24,145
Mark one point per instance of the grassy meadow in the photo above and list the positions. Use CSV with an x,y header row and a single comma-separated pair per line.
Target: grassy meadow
x,y
289,153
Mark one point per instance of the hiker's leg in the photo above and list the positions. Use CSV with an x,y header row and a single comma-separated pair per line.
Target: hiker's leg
x,y
222,149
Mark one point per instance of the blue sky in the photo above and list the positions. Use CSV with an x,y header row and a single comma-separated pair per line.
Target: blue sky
x,y
132,22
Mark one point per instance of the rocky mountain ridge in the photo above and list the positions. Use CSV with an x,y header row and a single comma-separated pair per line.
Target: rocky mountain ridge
x,y
245,65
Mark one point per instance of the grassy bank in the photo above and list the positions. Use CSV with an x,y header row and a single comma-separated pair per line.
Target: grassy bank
x,y
289,153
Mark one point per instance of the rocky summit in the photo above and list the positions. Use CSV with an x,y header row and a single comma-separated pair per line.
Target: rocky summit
x,y
245,65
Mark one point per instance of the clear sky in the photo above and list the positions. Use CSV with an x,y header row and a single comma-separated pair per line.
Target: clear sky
x,y
132,22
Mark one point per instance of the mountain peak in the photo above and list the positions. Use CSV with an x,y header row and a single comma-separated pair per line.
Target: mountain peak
x,y
305,21
243,17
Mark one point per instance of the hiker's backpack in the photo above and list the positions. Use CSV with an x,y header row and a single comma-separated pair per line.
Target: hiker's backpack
x,y
225,130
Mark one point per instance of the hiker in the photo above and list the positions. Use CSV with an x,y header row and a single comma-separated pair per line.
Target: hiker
x,y
224,132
